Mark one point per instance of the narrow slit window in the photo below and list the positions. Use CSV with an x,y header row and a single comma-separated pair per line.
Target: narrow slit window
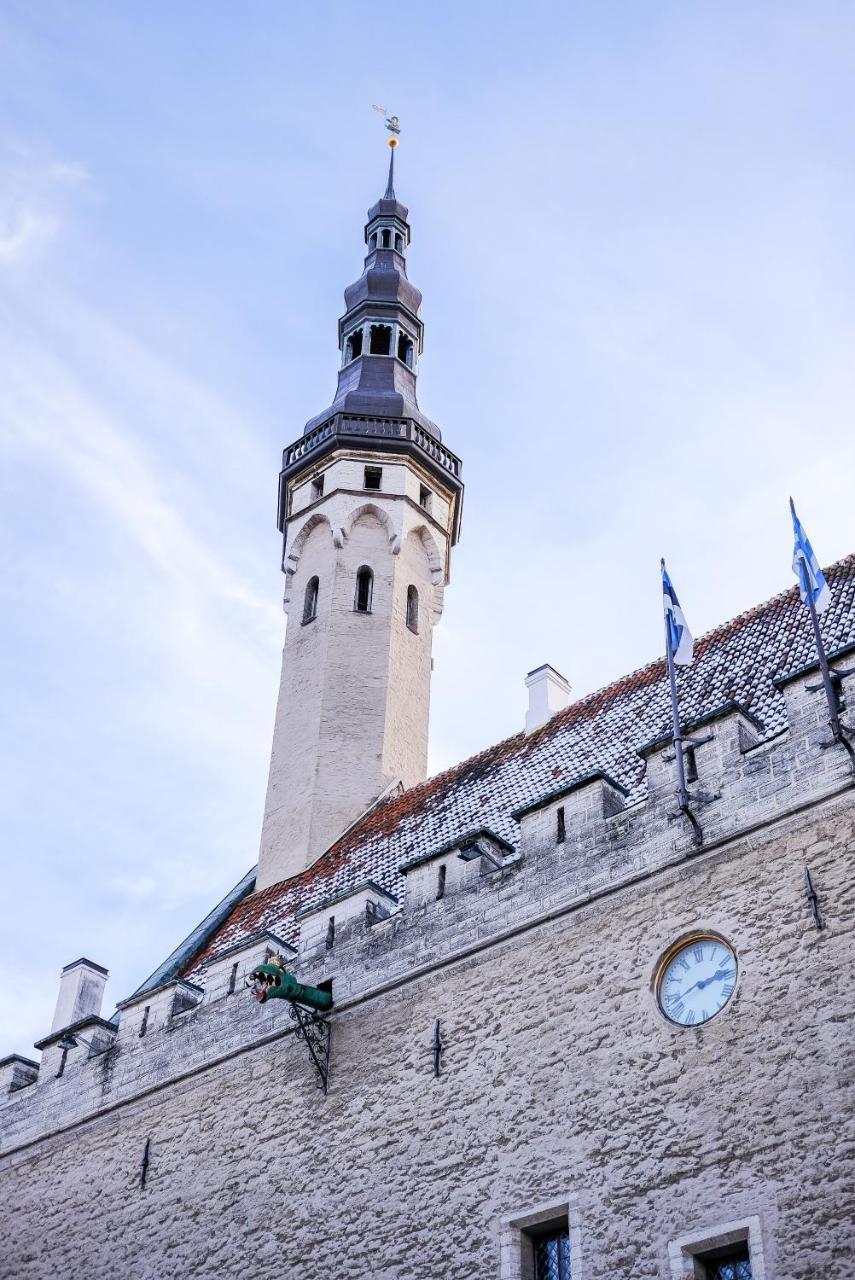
x,y
691,765
373,477
413,609
233,979
405,348
380,341
310,601
317,488
331,933
440,883
353,346
560,829
424,497
364,590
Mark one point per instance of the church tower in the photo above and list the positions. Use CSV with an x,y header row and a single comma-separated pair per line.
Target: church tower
x,y
369,509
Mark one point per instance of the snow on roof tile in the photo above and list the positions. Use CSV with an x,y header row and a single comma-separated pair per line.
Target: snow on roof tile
x,y
737,662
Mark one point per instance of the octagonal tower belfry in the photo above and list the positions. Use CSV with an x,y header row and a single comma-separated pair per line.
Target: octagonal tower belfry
x,y
369,509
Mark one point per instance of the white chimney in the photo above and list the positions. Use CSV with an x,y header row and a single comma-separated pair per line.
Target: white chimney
x,y
548,692
81,990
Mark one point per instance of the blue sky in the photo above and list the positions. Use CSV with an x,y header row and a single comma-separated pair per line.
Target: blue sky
x,y
632,224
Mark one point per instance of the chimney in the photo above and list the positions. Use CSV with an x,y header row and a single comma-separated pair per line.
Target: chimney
x,y
548,692
81,990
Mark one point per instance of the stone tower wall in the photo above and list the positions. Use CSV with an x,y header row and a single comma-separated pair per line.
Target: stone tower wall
x,y
354,700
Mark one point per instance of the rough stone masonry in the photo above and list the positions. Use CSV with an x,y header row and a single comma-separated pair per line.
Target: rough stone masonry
x,y
562,1086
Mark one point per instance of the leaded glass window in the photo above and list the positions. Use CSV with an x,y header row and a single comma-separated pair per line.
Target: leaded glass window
x,y
736,1265
552,1256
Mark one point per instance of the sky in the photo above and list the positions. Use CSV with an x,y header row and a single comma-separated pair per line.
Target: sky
x,y
632,225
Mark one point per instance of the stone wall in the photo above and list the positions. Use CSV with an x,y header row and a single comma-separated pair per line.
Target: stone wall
x,y
353,709
562,1086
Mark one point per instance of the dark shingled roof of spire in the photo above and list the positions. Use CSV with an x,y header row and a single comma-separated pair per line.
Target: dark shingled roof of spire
x,y
738,661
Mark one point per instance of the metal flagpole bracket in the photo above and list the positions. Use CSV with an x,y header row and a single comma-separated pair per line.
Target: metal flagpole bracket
x,y
833,687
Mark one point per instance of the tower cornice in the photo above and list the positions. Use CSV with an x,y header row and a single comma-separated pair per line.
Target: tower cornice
x,y
395,435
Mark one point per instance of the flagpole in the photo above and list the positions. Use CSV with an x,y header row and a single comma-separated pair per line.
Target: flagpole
x,y
827,682
682,792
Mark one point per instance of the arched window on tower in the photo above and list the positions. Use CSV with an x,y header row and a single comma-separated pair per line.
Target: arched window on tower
x,y
353,346
380,340
364,590
413,609
399,243
374,240
387,238
405,348
310,601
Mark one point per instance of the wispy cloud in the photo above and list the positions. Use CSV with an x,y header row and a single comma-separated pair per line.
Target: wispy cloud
x,y
33,197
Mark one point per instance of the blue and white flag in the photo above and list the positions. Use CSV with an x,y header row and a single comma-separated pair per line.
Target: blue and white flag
x,y
680,642
812,583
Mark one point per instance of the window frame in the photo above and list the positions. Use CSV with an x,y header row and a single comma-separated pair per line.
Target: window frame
x,y
374,471
412,614
686,1252
364,569
516,1231
313,586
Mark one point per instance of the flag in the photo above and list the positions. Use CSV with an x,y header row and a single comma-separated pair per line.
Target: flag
x,y
680,642
812,583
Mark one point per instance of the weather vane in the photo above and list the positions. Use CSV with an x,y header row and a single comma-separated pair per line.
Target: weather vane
x,y
391,124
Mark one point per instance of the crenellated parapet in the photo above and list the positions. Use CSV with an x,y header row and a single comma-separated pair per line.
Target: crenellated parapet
x,y
576,845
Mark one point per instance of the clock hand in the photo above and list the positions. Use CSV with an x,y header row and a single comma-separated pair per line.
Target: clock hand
x,y
704,982
700,984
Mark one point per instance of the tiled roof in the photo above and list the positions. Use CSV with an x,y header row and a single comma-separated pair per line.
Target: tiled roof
x,y
738,661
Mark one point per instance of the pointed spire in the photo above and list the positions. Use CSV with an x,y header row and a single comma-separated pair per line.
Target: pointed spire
x,y
389,193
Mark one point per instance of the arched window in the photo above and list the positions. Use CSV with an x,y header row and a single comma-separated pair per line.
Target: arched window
x,y
399,244
310,601
374,240
380,339
413,609
387,238
353,347
364,590
405,348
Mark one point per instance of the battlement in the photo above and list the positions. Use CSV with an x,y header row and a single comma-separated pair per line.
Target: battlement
x,y
575,844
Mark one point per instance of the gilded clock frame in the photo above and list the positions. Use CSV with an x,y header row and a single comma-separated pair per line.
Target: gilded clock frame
x,y
686,940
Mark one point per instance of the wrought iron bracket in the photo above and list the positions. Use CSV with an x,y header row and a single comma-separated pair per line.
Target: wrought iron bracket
x,y
436,1047
813,900
841,733
688,741
684,811
315,1032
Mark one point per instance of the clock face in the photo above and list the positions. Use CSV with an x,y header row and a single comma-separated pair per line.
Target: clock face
x,y
697,981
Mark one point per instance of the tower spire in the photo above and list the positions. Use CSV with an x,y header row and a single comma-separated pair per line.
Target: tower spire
x,y
369,510
389,193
